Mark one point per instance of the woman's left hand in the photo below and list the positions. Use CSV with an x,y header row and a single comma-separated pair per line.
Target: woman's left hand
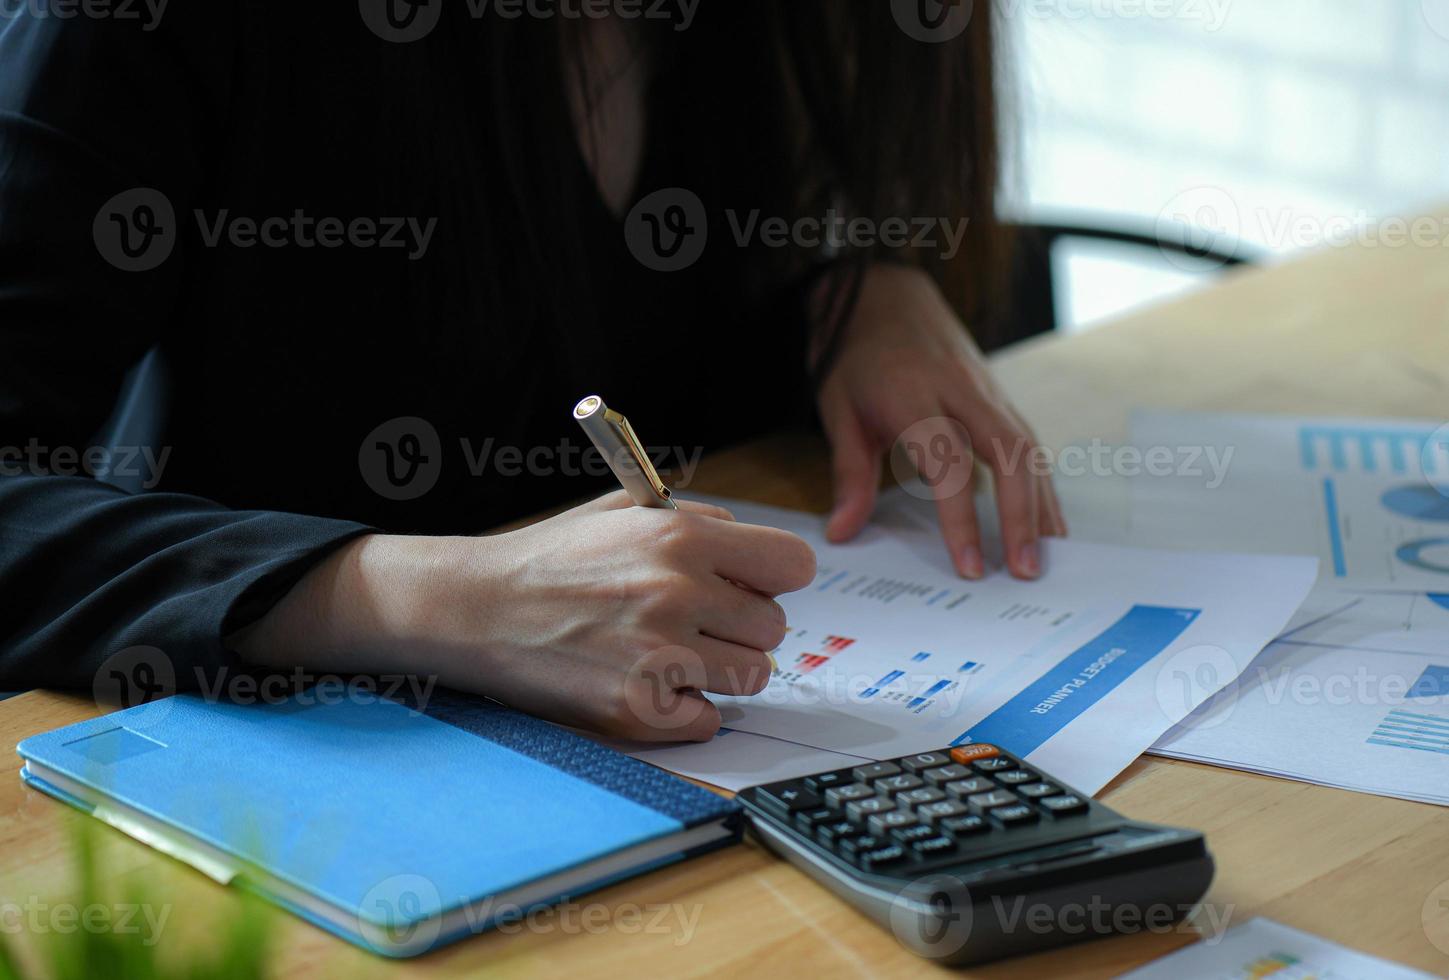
x,y
908,368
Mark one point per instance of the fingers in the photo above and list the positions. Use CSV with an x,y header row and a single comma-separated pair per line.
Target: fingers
x,y
855,463
940,451
1017,503
962,533
745,618
620,500
1053,521
1007,447
730,668
707,510
765,559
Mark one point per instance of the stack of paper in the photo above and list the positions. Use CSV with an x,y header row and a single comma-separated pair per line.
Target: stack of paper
x,y
890,652
1356,692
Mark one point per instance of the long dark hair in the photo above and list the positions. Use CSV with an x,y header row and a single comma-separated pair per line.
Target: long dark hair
x,y
791,107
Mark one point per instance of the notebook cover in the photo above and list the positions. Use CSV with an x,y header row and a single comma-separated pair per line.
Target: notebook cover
x,y
356,799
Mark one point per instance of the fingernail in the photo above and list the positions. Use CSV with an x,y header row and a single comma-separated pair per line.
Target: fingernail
x,y
972,566
1028,559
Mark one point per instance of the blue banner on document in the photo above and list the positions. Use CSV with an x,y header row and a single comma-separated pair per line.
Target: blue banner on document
x,y
1063,693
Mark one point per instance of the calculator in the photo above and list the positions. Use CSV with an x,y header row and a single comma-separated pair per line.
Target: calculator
x,y
968,854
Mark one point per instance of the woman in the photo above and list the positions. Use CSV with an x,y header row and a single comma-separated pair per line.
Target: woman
x,y
383,252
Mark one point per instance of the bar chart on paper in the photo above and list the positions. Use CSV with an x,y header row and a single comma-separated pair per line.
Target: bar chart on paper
x,y
1413,730
889,652
1369,720
1370,498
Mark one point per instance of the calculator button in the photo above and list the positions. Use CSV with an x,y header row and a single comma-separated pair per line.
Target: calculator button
x,y
839,796
883,857
970,787
861,810
883,823
1015,815
1016,777
808,819
1063,805
926,760
891,785
919,797
834,833
981,802
826,780
964,826
933,813
967,754
874,771
787,798
993,765
852,846
933,846
946,774
1035,791
909,835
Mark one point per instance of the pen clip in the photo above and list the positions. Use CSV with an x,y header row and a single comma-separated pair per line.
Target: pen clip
x,y
636,449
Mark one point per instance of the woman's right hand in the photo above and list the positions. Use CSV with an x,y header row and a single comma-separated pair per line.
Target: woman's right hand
x,y
608,617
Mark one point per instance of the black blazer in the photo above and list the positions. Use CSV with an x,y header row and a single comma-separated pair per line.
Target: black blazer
x,y
317,391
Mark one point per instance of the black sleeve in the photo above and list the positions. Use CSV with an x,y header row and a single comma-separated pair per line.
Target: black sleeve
x,y
91,108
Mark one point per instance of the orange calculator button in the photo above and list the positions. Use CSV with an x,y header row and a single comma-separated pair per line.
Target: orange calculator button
x,y
967,754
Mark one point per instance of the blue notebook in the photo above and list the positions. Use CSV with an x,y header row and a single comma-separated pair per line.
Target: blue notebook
x,y
396,829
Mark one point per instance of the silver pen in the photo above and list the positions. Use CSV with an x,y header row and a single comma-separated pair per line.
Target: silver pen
x,y
614,437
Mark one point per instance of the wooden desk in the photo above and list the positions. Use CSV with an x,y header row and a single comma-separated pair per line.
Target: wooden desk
x,y
1346,332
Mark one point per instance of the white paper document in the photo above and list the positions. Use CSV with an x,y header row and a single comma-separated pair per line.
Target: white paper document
x,y
1263,948
1357,694
1393,622
1369,497
1372,721
889,652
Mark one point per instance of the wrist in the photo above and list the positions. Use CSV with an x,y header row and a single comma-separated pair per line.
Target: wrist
x,y
363,609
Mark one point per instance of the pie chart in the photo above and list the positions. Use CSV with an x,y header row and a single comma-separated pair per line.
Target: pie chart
x,y
1420,502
